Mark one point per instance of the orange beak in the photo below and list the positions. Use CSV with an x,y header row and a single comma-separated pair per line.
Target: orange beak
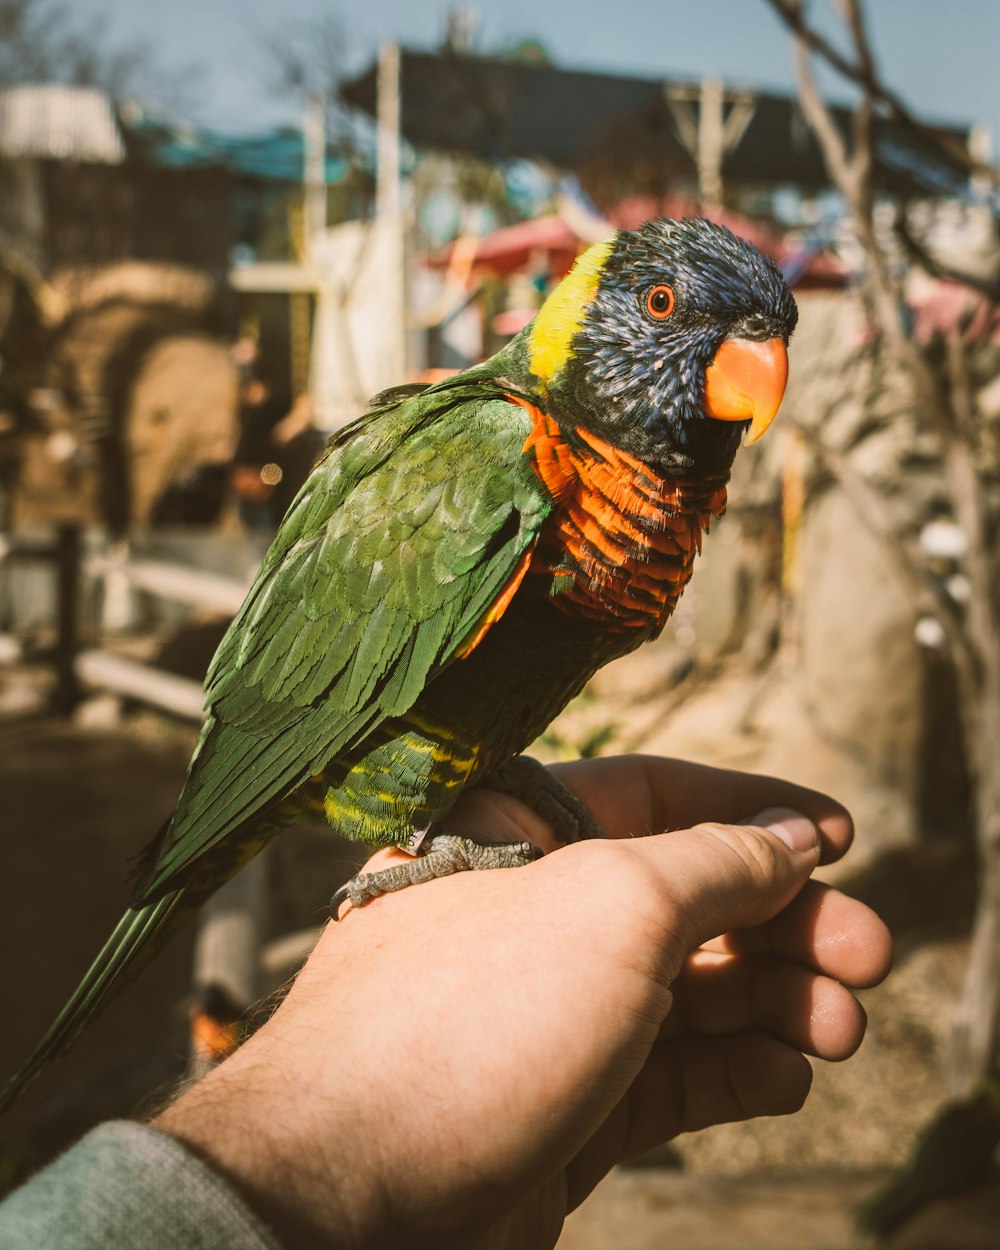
x,y
745,382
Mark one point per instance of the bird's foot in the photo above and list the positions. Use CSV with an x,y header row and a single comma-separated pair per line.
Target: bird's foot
x,y
440,856
531,782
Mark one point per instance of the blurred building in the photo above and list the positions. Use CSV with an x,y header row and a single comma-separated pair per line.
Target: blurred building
x,y
80,189
517,137
628,136
117,233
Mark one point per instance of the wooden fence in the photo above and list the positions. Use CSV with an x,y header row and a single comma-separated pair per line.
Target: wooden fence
x,y
78,669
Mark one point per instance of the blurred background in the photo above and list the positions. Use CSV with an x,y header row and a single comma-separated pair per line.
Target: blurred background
x,y
222,229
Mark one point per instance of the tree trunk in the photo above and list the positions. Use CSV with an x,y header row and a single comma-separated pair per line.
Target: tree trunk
x,y
973,1037
972,1043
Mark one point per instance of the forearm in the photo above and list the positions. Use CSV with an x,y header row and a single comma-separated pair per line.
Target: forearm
x,y
238,1122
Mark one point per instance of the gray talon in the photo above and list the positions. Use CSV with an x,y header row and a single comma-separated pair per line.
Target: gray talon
x,y
442,855
523,777
340,896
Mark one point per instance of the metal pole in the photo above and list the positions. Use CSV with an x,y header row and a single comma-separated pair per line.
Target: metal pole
x,y
314,133
387,235
710,142
68,546
227,956
387,191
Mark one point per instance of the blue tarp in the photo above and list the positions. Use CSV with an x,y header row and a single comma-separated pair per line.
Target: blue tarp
x,y
276,154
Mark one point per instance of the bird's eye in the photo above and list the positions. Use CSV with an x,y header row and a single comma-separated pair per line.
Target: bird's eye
x,y
660,301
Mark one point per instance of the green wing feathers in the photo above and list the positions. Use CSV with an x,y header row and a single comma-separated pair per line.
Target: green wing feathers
x,y
397,545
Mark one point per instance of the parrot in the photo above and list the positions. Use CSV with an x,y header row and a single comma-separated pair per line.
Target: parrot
x,y
459,563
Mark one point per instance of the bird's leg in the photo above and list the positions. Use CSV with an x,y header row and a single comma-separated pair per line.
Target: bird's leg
x,y
531,782
444,853
440,856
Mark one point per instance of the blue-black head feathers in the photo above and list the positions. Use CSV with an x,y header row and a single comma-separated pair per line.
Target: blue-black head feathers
x,y
638,378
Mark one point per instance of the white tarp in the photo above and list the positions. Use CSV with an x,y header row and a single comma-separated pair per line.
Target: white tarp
x,y
358,345
355,272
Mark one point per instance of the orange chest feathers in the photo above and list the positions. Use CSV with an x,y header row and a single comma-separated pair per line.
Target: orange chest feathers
x,y
621,542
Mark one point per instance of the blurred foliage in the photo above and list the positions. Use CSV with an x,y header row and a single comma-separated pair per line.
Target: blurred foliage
x,y
528,52
42,41
307,59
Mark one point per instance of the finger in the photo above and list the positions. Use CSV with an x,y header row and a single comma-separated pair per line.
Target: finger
x,y
718,994
674,892
824,930
633,795
689,1084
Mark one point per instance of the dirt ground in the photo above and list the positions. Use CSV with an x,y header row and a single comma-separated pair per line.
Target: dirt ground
x,y
76,806
638,1210
78,802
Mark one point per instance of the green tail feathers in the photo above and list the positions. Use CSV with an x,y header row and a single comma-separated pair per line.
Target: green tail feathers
x,y
125,952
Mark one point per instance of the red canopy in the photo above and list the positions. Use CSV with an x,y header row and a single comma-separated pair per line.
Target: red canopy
x,y
512,248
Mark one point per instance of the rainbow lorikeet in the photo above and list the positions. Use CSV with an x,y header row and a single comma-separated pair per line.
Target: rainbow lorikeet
x,y
459,563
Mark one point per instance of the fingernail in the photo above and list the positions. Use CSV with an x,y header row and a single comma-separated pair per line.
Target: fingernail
x,y
794,829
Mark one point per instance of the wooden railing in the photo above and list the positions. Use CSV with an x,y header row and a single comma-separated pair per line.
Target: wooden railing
x,y
78,670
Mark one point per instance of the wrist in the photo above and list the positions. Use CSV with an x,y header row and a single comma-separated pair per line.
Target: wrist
x,y
268,1148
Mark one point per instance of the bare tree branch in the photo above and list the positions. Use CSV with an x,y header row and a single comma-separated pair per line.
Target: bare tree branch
x,y
307,58
864,114
790,12
854,16
40,41
821,120
949,409
918,254
851,173
970,509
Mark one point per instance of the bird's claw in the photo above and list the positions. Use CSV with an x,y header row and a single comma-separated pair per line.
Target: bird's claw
x,y
441,856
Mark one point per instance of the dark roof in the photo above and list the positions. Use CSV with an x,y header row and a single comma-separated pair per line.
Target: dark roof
x,y
503,109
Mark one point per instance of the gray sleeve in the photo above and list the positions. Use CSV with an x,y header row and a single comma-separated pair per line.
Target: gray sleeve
x,y
128,1187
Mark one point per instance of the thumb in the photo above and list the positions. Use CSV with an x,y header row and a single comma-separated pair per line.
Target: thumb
x,y
722,877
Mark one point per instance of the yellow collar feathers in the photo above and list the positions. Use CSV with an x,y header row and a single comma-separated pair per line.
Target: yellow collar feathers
x,y
560,317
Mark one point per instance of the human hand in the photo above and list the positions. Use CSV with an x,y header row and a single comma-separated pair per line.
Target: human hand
x,y
459,1064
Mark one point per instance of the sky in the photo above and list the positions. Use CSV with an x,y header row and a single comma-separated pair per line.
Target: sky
x,y
941,57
